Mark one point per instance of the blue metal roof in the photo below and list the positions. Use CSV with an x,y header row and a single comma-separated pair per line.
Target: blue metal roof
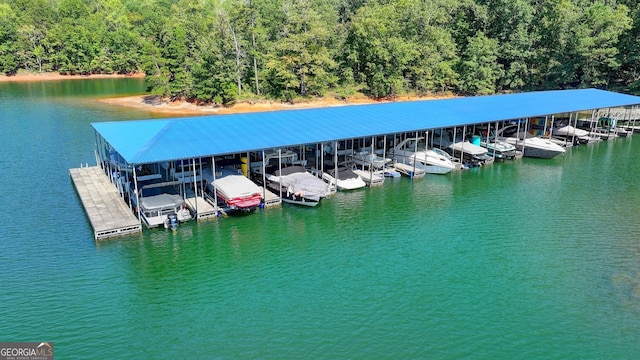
x,y
150,141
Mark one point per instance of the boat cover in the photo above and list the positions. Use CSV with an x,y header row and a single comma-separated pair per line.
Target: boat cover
x,y
236,186
161,201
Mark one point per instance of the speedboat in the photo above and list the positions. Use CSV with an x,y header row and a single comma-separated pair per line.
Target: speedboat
x,y
458,165
496,147
368,159
347,179
372,167
569,132
499,149
470,154
477,155
531,146
433,162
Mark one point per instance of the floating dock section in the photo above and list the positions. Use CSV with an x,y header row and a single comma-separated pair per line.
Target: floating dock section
x,y
109,215
409,170
270,199
202,209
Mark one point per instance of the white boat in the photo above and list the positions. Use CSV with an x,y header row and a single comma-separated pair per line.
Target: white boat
x,y
299,186
293,183
621,131
370,177
456,162
499,149
373,167
368,159
474,153
531,146
579,135
496,147
160,208
347,179
470,154
410,149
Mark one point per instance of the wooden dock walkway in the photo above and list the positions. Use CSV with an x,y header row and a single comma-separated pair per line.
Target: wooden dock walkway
x,y
409,170
202,208
270,199
109,215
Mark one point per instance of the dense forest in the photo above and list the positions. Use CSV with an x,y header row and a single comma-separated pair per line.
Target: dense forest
x,y
219,51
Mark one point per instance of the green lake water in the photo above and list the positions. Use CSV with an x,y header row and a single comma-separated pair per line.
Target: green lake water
x,y
529,259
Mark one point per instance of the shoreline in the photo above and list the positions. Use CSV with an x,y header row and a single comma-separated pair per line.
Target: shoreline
x,y
30,77
157,105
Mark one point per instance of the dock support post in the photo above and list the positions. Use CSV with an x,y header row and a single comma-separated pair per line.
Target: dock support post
x,y
335,164
215,193
384,151
524,138
264,179
280,170
135,186
321,167
97,151
415,159
195,184
373,154
464,131
453,141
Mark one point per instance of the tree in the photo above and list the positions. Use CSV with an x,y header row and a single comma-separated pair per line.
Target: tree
x,y
628,75
377,52
554,61
300,61
595,43
478,68
511,23
8,40
426,29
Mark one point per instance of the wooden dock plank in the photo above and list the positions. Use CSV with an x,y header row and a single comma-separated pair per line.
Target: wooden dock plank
x,y
108,213
270,199
409,170
202,208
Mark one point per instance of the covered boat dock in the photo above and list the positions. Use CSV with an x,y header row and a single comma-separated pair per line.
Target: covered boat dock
x,y
145,142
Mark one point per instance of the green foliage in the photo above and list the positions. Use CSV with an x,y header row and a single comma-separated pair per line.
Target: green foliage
x,y
479,70
218,51
595,40
378,54
299,60
8,38
629,52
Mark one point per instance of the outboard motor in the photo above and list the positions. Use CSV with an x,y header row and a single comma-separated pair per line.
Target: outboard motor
x,y
172,221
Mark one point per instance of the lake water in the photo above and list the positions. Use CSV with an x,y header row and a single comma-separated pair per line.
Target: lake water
x,y
524,259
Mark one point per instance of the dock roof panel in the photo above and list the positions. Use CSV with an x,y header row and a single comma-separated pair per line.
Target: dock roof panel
x,y
150,141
